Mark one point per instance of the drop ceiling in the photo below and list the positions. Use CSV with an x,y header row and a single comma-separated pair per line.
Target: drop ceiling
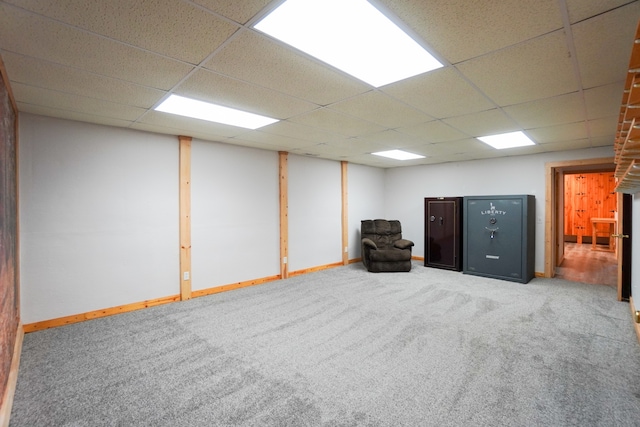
x,y
555,69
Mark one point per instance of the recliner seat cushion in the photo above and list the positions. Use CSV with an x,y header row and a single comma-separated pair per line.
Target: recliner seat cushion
x,y
390,255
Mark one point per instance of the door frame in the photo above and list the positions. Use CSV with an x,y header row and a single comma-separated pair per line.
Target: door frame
x,y
554,172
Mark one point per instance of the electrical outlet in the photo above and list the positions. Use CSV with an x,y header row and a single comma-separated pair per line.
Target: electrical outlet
x,y
185,275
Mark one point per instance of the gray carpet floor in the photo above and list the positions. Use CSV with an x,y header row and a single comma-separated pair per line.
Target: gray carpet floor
x,y
344,347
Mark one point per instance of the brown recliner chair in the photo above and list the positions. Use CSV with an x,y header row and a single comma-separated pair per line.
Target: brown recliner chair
x,y
383,248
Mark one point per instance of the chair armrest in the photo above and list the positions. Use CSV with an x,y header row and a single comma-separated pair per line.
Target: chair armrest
x,y
403,244
370,243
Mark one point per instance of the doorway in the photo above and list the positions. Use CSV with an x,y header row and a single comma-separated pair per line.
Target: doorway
x,y
589,216
572,261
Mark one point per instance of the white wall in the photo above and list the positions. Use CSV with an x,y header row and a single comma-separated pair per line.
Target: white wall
x,y
99,223
407,187
366,201
98,217
315,212
235,219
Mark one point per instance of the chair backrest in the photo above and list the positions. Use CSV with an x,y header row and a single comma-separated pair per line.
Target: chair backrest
x,y
383,232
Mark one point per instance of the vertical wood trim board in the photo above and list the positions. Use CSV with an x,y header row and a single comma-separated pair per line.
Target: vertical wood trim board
x,y
12,381
185,217
345,212
284,213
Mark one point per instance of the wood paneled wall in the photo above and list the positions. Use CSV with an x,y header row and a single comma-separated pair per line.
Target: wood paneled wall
x,y
9,250
586,196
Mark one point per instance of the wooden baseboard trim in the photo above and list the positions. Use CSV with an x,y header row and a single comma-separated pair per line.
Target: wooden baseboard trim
x,y
12,381
417,258
67,320
230,287
538,274
636,325
314,269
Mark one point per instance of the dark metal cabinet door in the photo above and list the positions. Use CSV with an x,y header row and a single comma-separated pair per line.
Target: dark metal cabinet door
x,y
494,234
442,233
499,237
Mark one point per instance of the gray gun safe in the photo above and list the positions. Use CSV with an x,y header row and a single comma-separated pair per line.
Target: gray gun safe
x,y
443,232
499,237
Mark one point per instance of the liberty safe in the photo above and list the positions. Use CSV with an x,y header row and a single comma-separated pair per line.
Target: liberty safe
x,y
443,232
499,237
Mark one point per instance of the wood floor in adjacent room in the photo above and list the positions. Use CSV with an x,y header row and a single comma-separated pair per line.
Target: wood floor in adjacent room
x,y
582,264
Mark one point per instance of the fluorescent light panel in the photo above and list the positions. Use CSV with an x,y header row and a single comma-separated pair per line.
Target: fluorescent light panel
x,y
213,113
398,155
507,140
351,35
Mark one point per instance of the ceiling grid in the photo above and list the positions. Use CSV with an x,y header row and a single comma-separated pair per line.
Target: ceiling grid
x,y
553,69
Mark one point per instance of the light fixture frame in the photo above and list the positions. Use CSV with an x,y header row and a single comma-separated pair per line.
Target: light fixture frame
x,y
202,110
312,35
503,141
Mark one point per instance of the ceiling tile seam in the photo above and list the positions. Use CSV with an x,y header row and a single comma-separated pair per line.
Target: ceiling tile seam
x,y
213,12
101,115
81,96
409,31
104,37
564,13
85,71
273,5
604,12
194,70
310,58
487,97
511,46
266,130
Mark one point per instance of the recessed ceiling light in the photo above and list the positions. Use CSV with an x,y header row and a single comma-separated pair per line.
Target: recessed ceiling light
x,y
398,155
351,35
507,140
213,113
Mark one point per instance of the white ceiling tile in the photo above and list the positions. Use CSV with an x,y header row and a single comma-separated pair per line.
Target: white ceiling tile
x,y
255,58
602,100
605,126
238,11
38,37
334,122
376,107
460,30
173,28
39,73
567,108
466,146
300,131
567,145
598,44
279,141
433,132
539,68
211,87
187,126
356,146
513,73
391,138
559,133
601,141
74,103
484,123
72,115
583,9
439,93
